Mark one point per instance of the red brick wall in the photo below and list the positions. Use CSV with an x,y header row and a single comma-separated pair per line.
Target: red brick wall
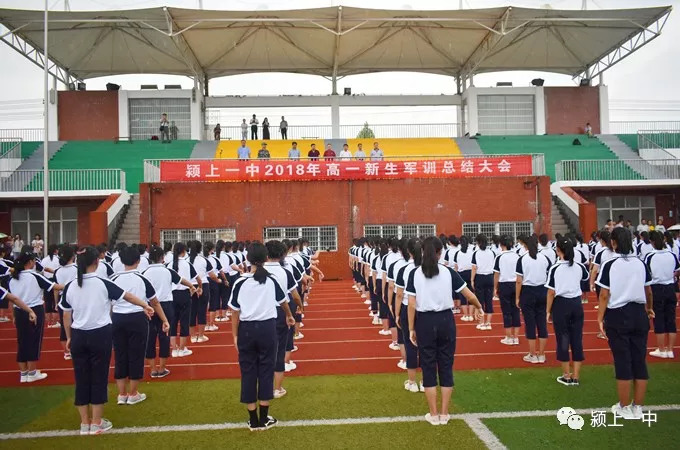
x,y
250,207
568,109
87,115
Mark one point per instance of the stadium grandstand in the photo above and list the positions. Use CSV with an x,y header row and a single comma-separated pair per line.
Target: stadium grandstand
x,y
155,166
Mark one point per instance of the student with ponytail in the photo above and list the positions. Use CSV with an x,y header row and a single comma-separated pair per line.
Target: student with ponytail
x,y
29,285
530,297
200,300
564,303
431,289
604,254
462,263
663,266
254,299
162,279
50,264
181,300
505,286
410,351
64,275
215,302
87,320
378,275
392,272
481,278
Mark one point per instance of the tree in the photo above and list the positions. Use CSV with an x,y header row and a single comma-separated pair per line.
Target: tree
x,y
366,132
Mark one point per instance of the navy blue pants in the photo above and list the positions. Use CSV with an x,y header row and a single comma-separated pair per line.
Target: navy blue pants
x,y
534,303
282,340
199,306
181,302
411,350
373,296
62,330
215,298
130,335
484,291
48,298
567,316
664,305
91,355
436,336
257,345
627,328
466,275
156,333
382,303
506,294
29,336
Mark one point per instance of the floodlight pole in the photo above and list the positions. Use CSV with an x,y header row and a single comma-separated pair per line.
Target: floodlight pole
x,y
46,173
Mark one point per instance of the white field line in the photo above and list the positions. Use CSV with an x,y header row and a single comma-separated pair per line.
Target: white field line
x,y
467,417
484,434
396,357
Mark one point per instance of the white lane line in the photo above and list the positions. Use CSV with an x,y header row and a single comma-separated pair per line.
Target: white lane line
x,y
470,418
484,434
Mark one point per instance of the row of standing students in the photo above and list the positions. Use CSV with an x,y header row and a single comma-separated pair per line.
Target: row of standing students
x,y
527,280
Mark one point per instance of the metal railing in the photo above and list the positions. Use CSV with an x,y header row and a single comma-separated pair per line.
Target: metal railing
x,y
152,167
10,159
26,134
617,169
63,180
405,130
632,127
655,139
8,144
649,149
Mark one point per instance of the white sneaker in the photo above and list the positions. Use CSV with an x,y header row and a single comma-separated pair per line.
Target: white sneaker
x,y
515,341
434,420
23,377
104,425
302,325
456,310
411,387
278,393
367,302
295,348
364,296
175,353
4,319
122,399
401,364
194,339
533,359
376,320
480,326
421,387
290,366
637,411
203,339
298,336
67,356
658,353
625,412
487,327
380,322
670,354
444,419
394,346
507,341
134,399
184,352
541,359
36,376
384,332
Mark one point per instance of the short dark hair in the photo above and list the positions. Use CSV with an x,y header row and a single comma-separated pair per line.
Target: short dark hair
x,y
294,143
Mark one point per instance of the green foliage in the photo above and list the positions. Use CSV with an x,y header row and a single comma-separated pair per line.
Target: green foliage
x,y
366,132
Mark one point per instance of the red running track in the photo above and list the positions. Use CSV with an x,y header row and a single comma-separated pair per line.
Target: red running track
x,y
339,339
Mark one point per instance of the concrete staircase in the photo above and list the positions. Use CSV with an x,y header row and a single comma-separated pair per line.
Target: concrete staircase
x,y
204,150
559,225
129,232
623,151
468,147
16,183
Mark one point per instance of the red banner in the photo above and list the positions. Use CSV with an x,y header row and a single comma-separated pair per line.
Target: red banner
x,y
269,170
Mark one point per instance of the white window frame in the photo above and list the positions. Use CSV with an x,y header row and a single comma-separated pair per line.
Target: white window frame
x,y
472,229
197,234
405,230
321,238
39,223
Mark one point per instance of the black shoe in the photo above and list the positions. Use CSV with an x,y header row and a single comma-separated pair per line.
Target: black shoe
x,y
574,382
565,381
269,423
256,427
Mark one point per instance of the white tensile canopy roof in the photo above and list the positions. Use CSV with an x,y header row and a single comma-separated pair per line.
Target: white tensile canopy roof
x,y
331,42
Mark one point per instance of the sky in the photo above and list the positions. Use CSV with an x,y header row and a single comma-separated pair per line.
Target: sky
x,y
642,87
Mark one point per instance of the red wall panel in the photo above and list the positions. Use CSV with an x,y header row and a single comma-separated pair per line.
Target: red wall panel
x,y
568,109
87,115
250,207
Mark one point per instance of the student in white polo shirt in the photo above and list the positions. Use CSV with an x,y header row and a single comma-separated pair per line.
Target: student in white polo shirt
x,y
604,254
29,285
645,246
254,299
462,263
392,271
431,289
505,279
663,266
104,269
276,251
392,256
530,296
181,300
625,309
564,303
64,275
200,300
546,248
87,319
162,279
481,278
215,302
50,264
131,328
26,313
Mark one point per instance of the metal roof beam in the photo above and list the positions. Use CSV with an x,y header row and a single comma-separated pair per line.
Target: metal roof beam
x,y
184,48
336,52
492,38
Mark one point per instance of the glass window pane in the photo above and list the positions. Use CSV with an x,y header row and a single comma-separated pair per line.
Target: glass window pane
x,y
648,202
54,235
292,233
602,217
69,213
34,227
649,214
618,202
632,202
70,232
20,228
390,231
19,214
35,213
603,202
626,213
